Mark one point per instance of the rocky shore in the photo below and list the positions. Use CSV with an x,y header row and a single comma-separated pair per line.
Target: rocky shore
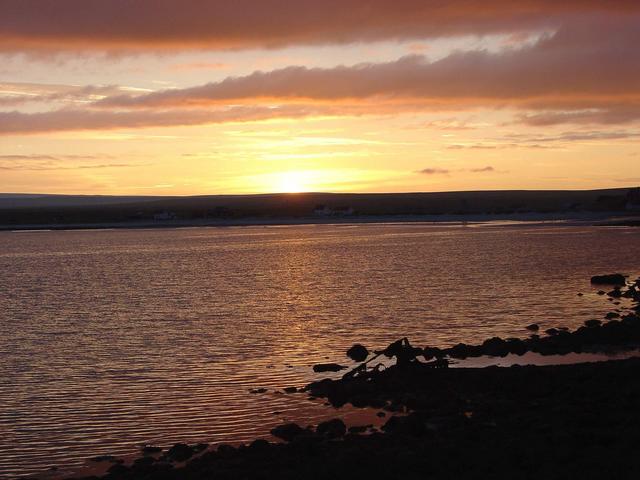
x,y
566,421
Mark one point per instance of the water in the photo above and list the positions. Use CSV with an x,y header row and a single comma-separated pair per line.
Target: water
x,y
114,339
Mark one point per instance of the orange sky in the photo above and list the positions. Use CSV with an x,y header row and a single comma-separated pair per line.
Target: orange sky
x,y
205,97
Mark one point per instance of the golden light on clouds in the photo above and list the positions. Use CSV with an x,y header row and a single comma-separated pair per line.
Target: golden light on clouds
x,y
417,98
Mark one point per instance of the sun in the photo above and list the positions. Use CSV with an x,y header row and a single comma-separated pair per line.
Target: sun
x,y
292,182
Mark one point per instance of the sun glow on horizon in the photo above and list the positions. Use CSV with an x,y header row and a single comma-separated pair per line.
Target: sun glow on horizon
x,y
292,182
312,180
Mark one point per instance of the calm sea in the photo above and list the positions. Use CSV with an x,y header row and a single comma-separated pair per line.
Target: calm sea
x,y
115,339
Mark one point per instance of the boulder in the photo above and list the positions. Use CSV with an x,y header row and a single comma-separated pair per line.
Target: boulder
x,y
259,445
615,293
516,346
611,279
495,347
359,428
430,352
332,429
287,431
412,424
328,367
534,327
358,353
180,452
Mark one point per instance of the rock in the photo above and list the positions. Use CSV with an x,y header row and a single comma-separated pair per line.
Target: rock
x,y
495,347
381,414
359,428
612,315
200,447
117,470
288,431
258,390
225,449
144,461
404,352
412,424
358,353
328,367
430,352
290,390
516,346
259,445
534,327
612,279
461,350
150,450
332,429
592,323
552,331
180,452
615,293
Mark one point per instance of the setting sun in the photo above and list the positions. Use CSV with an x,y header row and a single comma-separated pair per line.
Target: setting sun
x,y
291,182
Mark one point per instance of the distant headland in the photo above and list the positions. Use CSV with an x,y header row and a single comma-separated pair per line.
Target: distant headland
x,y
24,211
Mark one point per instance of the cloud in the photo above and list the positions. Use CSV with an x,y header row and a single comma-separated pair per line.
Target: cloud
x,y
49,167
488,168
443,171
434,171
614,115
179,67
178,24
570,76
44,157
17,94
449,124
578,136
494,146
570,66
19,123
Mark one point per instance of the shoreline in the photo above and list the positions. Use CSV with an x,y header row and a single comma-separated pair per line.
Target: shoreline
x,y
556,421
569,219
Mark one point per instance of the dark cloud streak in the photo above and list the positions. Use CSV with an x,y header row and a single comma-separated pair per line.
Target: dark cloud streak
x,y
180,24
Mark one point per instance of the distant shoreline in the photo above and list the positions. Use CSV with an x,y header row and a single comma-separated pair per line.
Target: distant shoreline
x,y
568,218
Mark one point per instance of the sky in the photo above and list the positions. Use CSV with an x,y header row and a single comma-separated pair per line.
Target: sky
x,y
196,97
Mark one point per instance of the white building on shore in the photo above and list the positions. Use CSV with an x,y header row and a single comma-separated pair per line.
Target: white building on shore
x,y
325,211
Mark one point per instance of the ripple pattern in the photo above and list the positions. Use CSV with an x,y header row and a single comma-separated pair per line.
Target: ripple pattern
x,y
115,339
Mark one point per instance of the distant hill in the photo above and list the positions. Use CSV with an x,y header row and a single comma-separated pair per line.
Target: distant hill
x,y
16,209
21,200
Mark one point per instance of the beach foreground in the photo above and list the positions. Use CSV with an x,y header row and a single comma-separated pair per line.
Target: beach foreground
x,y
519,422
562,421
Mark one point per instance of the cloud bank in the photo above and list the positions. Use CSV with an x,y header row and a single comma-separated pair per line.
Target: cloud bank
x,y
570,67
178,24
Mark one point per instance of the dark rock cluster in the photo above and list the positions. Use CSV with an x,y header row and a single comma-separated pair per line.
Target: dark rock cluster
x,y
621,331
